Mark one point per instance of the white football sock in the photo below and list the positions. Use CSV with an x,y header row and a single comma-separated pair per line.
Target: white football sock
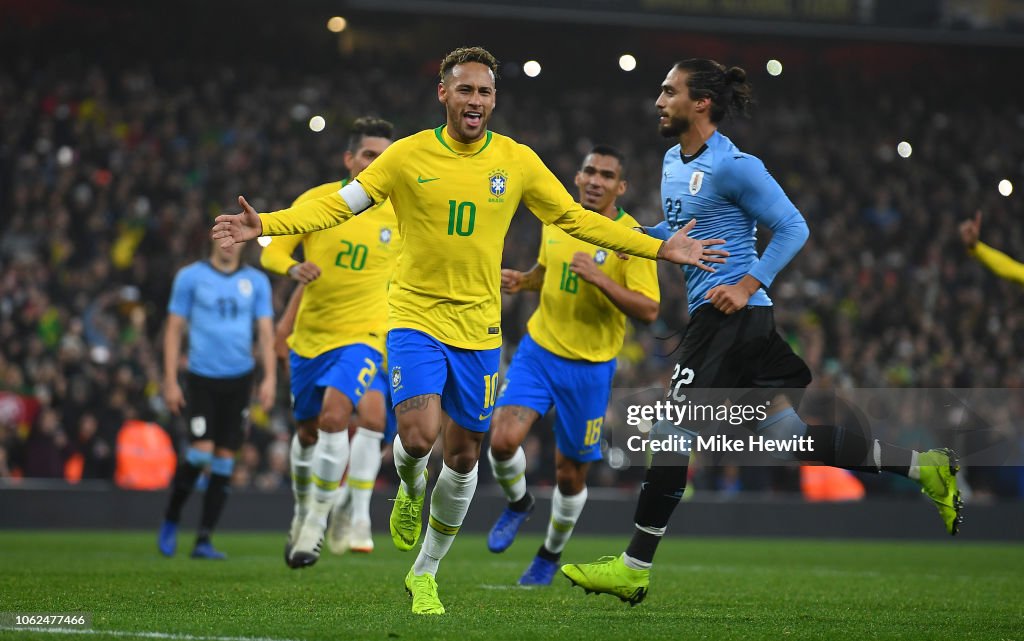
x,y
362,471
449,503
510,474
410,469
565,511
300,458
329,461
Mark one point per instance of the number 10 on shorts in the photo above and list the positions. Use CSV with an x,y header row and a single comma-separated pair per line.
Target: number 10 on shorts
x,y
490,390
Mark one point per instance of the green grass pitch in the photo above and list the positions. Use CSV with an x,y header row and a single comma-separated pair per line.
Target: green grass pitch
x,y
701,589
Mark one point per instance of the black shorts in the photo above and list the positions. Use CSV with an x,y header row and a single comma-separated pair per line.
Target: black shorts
x,y
218,409
739,351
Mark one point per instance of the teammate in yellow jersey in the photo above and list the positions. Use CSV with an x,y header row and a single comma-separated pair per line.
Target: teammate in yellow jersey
x,y
567,360
336,358
996,261
454,189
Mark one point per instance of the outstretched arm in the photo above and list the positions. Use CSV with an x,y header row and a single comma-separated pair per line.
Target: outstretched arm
x,y
309,216
996,261
549,201
999,263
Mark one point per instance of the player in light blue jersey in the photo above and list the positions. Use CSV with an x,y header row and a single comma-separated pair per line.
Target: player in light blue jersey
x,y
731,342
220,301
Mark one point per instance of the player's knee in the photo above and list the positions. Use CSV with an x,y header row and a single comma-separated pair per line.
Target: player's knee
x,y
570,475
462,462
503,444
371,422
307,433
415,442
333,420
570,479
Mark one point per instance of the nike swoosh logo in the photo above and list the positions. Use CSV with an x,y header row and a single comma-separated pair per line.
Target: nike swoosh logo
x,y
484,417
552,241
421,179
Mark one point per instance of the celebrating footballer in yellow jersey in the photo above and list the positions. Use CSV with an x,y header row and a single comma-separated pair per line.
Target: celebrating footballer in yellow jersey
x,y
454,203
567,361
337,360
454,190
576,319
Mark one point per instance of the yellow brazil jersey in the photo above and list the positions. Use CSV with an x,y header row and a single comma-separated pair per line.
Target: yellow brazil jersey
x,y
454,204
575,319
347,304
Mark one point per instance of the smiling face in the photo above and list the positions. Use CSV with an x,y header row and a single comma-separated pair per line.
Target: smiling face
x,y
600,182
468,96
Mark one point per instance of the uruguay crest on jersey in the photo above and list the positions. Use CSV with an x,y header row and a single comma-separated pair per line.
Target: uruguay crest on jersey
x,y
696,180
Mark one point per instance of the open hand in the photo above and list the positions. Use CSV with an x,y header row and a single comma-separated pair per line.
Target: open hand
x,y
231,229
683,250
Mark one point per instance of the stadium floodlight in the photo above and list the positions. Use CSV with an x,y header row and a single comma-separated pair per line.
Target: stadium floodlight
x,y
65,156
1005,187
317,123
904,149
774,67
337,24
531,68
627,62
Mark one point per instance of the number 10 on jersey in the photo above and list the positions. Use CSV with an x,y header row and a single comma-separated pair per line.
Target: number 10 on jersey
x,y
461,218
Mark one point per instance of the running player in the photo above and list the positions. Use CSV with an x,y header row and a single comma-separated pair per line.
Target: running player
x,y
336,354
731,341
454,189
567,360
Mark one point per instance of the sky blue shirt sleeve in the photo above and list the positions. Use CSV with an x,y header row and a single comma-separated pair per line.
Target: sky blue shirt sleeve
x,y
263,308
760,196
661,231
181,293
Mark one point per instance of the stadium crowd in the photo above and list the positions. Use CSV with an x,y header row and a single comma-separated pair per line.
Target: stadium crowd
x,y
111,174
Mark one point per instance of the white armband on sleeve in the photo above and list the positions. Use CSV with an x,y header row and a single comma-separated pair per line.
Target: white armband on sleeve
x,y
355,196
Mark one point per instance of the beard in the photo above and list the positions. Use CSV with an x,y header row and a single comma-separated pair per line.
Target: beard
x,y
674,128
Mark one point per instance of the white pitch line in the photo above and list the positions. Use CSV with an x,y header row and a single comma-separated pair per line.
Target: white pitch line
x,y
134,635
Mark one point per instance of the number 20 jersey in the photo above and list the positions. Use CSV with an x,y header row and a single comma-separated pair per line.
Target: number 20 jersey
x,y
347,304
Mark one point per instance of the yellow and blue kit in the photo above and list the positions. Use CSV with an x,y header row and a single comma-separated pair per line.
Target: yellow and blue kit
x,y
567,358
454,204
341,322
